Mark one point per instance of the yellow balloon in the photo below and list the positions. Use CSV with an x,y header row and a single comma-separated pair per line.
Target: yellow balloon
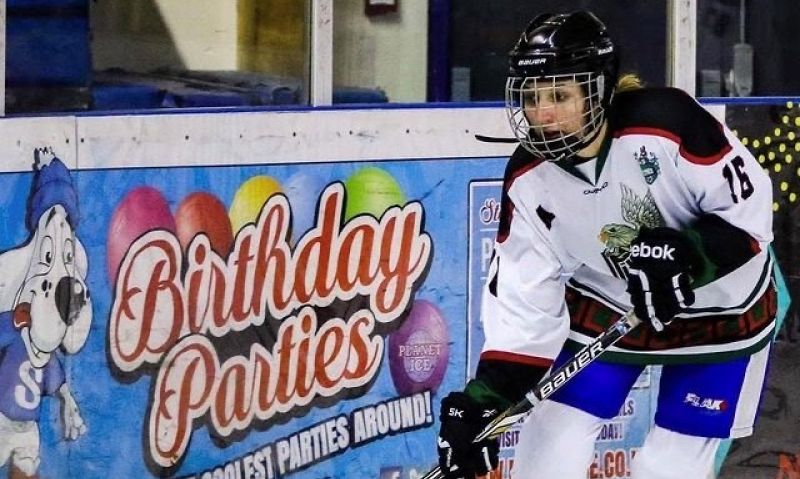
x,y
249,199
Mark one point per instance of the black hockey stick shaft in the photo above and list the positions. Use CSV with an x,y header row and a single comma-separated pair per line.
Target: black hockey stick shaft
x,y
495,139
553,382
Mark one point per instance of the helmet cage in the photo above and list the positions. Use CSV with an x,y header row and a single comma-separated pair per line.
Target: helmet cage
x,y
522,93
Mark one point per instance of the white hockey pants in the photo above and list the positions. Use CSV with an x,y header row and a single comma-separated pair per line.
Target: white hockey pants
x,y
557,442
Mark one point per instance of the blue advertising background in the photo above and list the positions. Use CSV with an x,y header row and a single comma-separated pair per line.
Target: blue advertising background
x,y
114,411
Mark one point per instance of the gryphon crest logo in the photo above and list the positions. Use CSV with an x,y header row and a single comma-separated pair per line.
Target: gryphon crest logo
x,y
637,212
649,165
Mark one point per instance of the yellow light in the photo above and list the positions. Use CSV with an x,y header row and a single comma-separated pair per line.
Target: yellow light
x,y
761,158
775,206
784,186
797,147
792,197
782,147
745,141
788,159
785,119
735,133
756,143
767,140
771,155
791,136
797,121
798,172
789,104
777,167
777,132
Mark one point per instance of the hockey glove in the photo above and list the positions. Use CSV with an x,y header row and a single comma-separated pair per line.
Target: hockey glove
x,y
661,265
462,419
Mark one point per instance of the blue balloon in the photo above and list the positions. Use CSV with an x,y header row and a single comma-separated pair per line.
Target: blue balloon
x,y
303,190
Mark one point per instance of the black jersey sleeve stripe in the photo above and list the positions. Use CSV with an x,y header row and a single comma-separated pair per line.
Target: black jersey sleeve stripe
x,y
672,114
698,160
520,163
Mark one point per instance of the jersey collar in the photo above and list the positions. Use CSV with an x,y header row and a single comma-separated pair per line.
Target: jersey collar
x,y
568,164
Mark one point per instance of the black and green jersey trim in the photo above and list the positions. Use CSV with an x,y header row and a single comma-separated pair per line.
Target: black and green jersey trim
x,y
761,285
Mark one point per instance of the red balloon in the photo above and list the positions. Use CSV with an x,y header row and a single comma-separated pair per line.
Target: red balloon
x,y
202,212
141,210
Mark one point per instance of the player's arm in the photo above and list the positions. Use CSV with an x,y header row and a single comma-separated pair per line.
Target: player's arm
x,y
733,193
525,323
733,199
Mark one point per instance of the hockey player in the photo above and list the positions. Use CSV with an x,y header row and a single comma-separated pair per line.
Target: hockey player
x,y
617,200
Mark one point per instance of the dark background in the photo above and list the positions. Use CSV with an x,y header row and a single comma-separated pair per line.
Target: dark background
x,y
481,33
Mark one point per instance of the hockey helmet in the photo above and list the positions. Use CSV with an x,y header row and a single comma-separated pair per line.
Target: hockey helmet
x,y
553,49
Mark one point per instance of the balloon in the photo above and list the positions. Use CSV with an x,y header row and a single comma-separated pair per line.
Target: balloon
x,y
302,191
202,212
419,350
371,190
141,210
250,198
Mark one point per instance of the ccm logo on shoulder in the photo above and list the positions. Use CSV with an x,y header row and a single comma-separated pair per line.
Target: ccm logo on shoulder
x,y
655,252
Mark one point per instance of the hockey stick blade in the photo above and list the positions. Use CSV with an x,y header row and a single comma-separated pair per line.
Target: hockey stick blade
x,y
553,382
495,139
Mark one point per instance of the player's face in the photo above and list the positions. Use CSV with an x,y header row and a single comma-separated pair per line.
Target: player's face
x,y
555,109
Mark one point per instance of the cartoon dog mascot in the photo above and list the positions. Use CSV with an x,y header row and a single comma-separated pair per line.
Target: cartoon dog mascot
x,y
45,313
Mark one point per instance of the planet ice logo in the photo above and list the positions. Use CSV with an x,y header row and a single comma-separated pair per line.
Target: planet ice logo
x,y
419,350
419,356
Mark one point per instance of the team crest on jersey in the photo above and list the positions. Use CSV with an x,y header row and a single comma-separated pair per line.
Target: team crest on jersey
x,y
649,164
637,212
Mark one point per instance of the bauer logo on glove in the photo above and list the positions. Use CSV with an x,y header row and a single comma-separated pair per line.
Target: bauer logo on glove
x,y
661,265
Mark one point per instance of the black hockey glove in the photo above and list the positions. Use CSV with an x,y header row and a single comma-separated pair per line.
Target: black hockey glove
x,y
661,265
462,419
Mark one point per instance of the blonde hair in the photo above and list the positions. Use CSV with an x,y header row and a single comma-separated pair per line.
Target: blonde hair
x,y
628,82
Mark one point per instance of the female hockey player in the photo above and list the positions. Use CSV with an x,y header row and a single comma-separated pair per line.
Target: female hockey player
x,y
614,201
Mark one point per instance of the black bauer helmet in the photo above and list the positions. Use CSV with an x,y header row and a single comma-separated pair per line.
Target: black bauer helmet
x,y
553,50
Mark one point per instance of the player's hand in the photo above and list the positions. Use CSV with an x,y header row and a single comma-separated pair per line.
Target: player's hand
x,y
661,265
462,419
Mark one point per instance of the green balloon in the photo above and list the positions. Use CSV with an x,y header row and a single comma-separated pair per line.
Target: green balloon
x,y
372,191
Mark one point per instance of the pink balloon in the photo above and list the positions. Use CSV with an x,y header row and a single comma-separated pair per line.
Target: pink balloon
x,y
141,210
419,350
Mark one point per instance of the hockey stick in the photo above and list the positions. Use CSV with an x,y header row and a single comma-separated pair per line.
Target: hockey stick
x,y
495,139
553,382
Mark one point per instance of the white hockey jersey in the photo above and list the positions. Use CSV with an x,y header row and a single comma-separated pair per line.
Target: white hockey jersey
x,y
560,257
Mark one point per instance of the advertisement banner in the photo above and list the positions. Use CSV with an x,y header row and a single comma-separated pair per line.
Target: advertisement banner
x,y
232,321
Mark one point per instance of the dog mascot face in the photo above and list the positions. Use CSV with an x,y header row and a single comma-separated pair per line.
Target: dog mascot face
x,y
53,306
45,313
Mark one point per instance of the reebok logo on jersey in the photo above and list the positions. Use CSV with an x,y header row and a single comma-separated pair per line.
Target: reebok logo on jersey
x,y
705,403
655,252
